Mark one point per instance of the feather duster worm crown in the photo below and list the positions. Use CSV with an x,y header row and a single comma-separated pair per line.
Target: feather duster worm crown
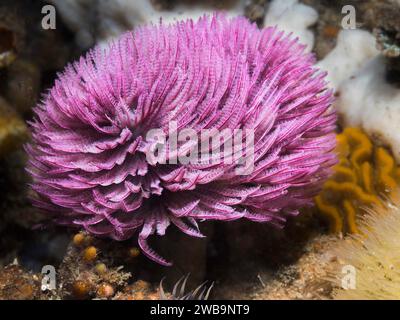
x,y
88,154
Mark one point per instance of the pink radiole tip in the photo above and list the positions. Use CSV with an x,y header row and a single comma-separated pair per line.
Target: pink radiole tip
x,y
88,151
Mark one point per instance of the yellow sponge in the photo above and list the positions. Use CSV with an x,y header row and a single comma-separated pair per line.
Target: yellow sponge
x,y
363,176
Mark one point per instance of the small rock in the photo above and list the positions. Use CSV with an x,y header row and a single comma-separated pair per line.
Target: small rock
x,y
13,131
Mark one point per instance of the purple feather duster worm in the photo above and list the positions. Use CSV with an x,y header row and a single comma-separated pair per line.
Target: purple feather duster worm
x,y
88,154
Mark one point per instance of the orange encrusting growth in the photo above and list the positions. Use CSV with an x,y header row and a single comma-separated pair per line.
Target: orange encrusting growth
x,y
363,175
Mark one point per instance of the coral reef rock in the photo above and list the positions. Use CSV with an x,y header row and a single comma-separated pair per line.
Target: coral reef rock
x,y
23,85
17,284
13,131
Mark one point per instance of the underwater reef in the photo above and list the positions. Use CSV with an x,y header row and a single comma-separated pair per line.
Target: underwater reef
x,y
266,250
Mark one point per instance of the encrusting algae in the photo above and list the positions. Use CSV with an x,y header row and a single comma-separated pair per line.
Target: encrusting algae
x,y
364,175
